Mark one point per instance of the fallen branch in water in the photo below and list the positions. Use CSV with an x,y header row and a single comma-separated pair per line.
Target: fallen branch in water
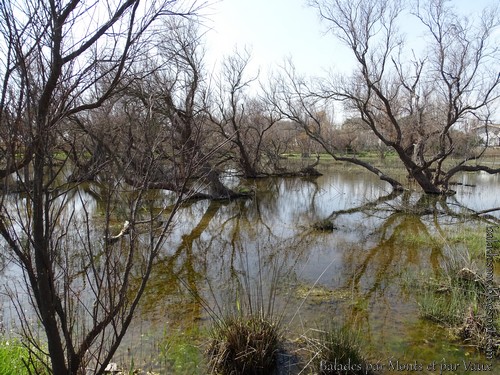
x,y
125,230
488,210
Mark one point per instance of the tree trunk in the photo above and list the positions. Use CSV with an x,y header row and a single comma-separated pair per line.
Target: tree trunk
x,y
425,183
88,171
248,168
44,288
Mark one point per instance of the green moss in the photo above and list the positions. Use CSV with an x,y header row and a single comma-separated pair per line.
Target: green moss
x,y
245,190
60,155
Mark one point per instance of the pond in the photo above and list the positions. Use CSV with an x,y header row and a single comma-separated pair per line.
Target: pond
x,y
265,252
357,274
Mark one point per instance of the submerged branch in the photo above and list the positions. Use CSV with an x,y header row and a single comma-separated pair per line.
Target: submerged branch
x,y
125,230
470,168
396,185
488,211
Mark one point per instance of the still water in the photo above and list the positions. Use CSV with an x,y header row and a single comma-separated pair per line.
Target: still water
x,y
359,274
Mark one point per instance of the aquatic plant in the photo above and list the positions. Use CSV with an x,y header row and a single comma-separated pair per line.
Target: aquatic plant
x,y
182,352
336,350
457,300
324,225
468,236
442,305
246,334
474,330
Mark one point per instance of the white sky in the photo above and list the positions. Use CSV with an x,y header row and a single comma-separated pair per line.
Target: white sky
x,y
273,30
277,29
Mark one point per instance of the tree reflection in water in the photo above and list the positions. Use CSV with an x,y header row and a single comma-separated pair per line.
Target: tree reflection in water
x,y
267,245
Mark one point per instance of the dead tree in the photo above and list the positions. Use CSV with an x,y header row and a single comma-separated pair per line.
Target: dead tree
x,y
174,96
244,122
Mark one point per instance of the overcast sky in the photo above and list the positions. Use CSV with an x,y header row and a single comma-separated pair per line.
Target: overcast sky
x,y
273,30
276,29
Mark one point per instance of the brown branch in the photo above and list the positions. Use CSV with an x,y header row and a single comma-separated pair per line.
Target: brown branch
x,y
469,168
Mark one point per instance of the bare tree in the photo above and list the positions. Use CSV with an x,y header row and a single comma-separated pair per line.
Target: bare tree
x,y
175,96
249,124
243,121
61,59
290,92
412,104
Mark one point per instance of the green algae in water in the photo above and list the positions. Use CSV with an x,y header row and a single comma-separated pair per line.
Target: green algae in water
x,y
319,294
183,353
433,348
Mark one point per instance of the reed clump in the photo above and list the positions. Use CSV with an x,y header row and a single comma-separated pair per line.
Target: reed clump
x,y
245,345
336,350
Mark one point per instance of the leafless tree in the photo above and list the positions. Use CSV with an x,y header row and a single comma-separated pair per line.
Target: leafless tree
x,y
60,60
411,103
251,126
175,96
240,119
291,93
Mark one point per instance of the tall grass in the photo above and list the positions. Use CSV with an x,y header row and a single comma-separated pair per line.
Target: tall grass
x,y
336,350
246,334
457,300
447,307
245,345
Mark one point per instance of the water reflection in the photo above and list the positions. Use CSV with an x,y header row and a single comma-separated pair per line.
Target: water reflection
x,y
268,243
364,262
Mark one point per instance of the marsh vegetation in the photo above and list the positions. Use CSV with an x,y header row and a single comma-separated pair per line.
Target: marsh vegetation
x,y
142,192
236,272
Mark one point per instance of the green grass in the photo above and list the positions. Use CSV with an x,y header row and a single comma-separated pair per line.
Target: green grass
x,y
15,359
419,240
456,299
443,305
182,352
471,238
299,155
